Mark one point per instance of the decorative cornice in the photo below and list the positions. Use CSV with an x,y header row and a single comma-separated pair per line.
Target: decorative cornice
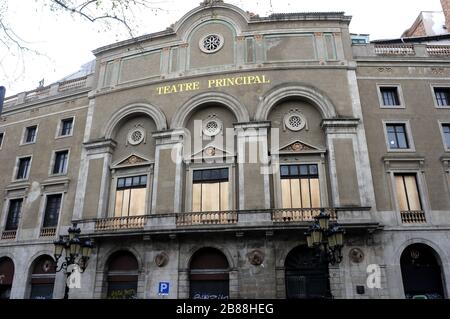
x,y
96,144
343,122
247,125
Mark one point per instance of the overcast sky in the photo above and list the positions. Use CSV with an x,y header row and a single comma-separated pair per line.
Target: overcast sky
x,y
68,42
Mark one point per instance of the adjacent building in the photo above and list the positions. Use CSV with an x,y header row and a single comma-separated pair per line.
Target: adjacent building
x,y
198,156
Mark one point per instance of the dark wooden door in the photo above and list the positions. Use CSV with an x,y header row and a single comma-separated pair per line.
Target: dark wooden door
x,y
306,275
421,273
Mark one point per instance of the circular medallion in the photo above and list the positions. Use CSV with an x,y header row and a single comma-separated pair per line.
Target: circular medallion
x,y
212,127
210,151
161,259
295,121
256,257
211,43
356,255
136,136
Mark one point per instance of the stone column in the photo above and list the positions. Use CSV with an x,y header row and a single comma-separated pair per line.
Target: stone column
x,y
348,185
168,173
234,284
253,166
183,284
95,173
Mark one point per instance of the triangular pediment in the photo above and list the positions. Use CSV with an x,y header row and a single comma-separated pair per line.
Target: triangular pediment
x,y
211,151
299,147
133,159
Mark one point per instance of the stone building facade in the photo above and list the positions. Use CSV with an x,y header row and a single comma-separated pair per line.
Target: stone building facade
x,y
198,157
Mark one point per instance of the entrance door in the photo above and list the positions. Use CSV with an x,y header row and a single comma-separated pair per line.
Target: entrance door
x,y
6,277
306,276
43,278
421,273
209,275
122,276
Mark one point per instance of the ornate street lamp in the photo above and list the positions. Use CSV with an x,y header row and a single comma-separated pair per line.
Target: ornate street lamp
x,y
327,238
77,252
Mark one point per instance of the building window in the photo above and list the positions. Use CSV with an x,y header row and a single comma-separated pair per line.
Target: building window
x,y
390,96
300,186
12,221
66,127
131,196
442,96
30,134
23,168
446,132
2,135
60,165
210,190
397,137
52,209
407,192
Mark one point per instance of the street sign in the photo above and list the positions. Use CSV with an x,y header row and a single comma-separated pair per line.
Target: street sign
x,y
163,289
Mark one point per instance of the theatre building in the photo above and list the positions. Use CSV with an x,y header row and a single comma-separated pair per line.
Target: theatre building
x,y
198,157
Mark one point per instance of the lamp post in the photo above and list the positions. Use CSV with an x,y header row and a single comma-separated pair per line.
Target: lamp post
x,y
327,238
77,252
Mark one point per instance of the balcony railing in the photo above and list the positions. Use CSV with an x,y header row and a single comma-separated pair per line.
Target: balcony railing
x,y
413,217
72,84
438,50
394,49
299,215
118,223
9,234
48,232
400,50
207,218
225,220
48,91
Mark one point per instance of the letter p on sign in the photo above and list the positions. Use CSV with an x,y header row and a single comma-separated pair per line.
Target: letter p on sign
x,y
163,289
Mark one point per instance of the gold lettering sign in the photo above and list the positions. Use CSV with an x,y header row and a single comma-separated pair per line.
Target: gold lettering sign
x,y
214,83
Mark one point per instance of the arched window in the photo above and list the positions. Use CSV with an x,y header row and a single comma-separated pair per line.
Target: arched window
x,y
6,277
306,275
43,278
122,276
421,273
209,277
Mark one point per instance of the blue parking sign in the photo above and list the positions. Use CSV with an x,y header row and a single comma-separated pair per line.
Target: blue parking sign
x,y
163,288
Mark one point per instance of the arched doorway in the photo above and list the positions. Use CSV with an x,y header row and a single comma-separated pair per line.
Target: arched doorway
x,y
43,278
421,273
306,275
6,277
122,276
209,277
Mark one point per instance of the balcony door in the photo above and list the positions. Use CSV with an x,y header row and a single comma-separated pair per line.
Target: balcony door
x,y
300,188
